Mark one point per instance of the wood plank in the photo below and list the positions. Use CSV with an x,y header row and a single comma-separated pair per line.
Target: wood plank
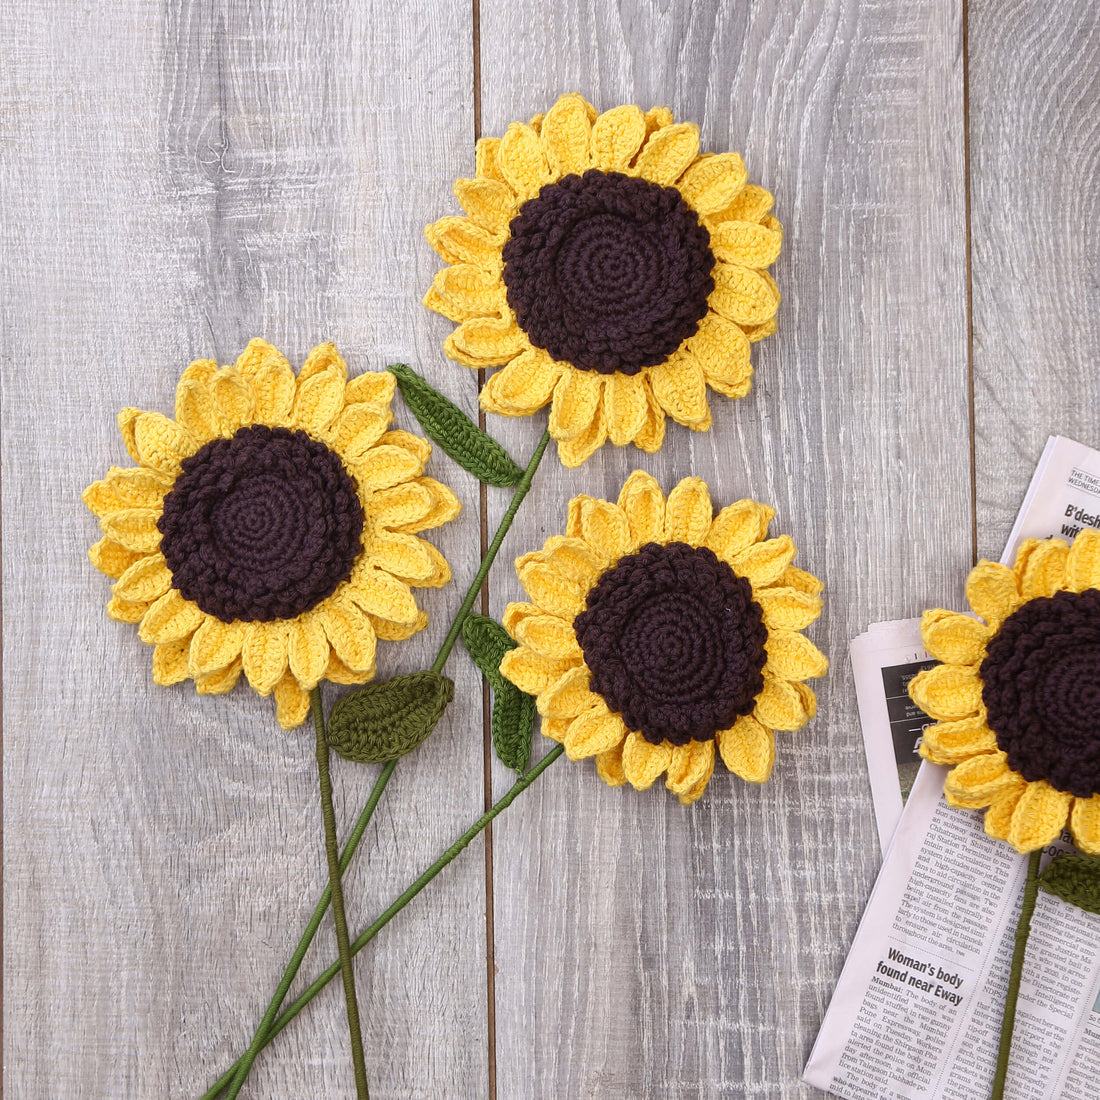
x,y
1035,207
188,176
647,950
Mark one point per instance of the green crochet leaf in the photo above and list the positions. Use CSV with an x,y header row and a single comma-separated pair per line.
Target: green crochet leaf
x,y
1074,878
383,721
513,710
454,431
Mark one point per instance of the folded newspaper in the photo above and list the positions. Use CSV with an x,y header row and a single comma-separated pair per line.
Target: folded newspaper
x,y
917,1010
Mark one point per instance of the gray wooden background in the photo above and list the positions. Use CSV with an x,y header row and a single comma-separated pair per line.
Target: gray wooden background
x,y
178,177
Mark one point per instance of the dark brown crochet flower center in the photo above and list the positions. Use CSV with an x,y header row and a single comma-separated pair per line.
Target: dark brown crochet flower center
x,y
608,272
674,642
261,526
1041,688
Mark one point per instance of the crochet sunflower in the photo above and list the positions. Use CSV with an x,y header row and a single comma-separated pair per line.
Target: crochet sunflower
x,y
659,632
1017,698
613,270
270,528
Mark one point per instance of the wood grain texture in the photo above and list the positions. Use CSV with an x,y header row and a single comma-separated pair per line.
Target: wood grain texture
x,y
1035,223
647,950
181,177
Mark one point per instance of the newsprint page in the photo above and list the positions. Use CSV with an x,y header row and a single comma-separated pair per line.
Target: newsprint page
x,y
917,1011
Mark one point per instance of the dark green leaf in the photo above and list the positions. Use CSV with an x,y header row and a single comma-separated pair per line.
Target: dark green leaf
x,y
386,720
1074,878
513,710
454,431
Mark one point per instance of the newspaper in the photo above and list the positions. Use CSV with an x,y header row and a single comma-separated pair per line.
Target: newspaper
x,y
917,1011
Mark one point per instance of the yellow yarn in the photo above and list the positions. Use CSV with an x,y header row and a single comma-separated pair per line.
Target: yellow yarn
x,y
550,664
1027,815
589,408
333,640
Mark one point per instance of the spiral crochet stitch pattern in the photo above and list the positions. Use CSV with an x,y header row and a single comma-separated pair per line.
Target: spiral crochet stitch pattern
x,y
261,526
674,642
611,269
1016,698
659,636
607,272
271,527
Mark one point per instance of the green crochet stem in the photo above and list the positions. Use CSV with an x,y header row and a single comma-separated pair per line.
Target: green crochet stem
x,y
398,904
239,1072
1023,930
339,917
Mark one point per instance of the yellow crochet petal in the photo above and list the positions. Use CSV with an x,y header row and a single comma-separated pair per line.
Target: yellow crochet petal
x,y
688,512
792,656
652,435
523,386
991,592
486,341
609,766
232,400
350,632
324,359
487,159
169,619
218,683
549,637
759,332
787,608
953,638
680,388
748,749
371,387
214,646
257,358
690,770
743,295
291,702
746,244
458,240
712,183
264,654
146,580
945,692
550,591
953,742
571,558
1039,817
1083,562
158,442
379,594
400,505
530,672
133,528
568,696
464,291
112,558
626,407
358,428
1041,567
573,452
764,562
656,117
667,153
593,732
126,611
782,706
644,763
793,577
339,673
514,613
384,466
1084,823
489,203
617,135
975,783
721,348
737,527
403,556
605,528
998,818
523,161
576,402
307,651
124,488
751,204
170,662
194,404
273,384
565,132
643,504
318,401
